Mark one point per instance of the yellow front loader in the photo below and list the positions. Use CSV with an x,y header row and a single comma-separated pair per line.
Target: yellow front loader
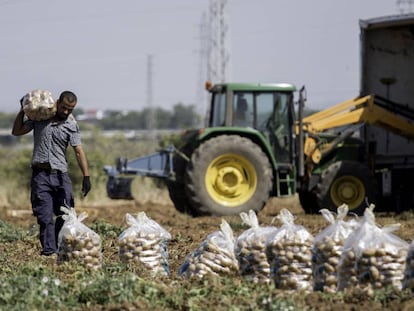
x,y
355,181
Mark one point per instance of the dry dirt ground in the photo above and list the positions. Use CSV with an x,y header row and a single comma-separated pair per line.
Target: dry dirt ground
x,y
188,233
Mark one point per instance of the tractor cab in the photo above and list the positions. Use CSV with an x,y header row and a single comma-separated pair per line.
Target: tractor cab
x,y
267,108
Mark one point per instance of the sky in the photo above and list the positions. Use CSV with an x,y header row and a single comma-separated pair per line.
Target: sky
x,y
100,48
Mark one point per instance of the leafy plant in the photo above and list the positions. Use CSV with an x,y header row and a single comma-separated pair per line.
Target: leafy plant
x,y
9,233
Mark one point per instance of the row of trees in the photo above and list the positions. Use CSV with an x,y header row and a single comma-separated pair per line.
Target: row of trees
x,y
181,116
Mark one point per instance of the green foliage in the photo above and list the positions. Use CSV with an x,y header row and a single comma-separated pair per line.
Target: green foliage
x,y
43,289
106,229
6,119
182,116
9,233
102,290
15,166
173,139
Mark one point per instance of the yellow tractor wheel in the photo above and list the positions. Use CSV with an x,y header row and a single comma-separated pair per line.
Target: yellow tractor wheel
x,y
231,180
227,175
348,182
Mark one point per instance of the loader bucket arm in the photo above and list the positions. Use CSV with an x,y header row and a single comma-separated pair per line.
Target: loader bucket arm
x,y
360,110
352,114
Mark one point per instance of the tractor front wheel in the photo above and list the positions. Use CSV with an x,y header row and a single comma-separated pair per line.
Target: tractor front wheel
x,y
228,175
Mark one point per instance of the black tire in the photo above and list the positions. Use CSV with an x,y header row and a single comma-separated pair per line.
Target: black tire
x,y
176,188
179,197
308,201
228,175
347,182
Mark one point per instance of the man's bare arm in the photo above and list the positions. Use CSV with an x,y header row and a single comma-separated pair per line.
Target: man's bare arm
x,y
19,127
82,161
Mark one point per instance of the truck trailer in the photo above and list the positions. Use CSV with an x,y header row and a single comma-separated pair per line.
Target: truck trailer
x,y
387,70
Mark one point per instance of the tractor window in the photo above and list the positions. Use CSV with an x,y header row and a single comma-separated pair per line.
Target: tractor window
x,y
273,120
281,126
218,112
264,109
243,109
281,111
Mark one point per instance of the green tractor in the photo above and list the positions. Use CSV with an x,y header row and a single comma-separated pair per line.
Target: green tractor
x,y
244,155
258,145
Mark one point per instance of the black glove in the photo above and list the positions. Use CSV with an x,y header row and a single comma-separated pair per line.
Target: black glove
x,y
86,185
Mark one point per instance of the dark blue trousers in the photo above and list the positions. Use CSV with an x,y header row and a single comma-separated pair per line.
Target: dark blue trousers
x,y
49,192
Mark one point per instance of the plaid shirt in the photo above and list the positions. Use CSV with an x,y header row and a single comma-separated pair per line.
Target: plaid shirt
x,y
51,140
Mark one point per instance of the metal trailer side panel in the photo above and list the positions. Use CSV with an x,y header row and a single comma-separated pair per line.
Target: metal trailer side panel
x,y
387,69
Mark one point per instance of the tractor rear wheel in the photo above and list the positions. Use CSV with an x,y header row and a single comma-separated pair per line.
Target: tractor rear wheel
x,y
228,175
347,182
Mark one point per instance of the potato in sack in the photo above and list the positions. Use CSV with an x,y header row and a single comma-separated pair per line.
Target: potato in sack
x,y
372,258
251,249
145,242
39,105
76,241
327,249
290,255
214,256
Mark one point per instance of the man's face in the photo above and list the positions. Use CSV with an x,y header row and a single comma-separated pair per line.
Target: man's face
x,y
64,109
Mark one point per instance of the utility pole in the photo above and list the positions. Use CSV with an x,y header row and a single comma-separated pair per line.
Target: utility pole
x,y
215,47
202,69
214,53
219,54
151,117
224,40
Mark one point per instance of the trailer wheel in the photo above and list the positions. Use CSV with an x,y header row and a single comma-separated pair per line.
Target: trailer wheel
x,y
228,175
347,182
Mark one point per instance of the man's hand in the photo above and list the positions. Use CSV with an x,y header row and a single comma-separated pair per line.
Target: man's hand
x,y
86,185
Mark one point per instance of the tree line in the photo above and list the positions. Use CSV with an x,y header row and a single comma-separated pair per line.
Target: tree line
x,y
180,117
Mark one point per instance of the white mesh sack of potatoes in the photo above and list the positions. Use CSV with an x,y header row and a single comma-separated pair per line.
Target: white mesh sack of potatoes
x,y
214,256
39,105
290,255
372,258
78,242
145,242
327,248
408,282
251,249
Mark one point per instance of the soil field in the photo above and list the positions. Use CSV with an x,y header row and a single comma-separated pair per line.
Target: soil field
x,y
188,233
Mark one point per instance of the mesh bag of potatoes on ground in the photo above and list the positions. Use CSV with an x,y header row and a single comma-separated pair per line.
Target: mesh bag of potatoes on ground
x,y
78,242
409,268
39,105
250,249
290,255
372,258
214,256
327,249
145,242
